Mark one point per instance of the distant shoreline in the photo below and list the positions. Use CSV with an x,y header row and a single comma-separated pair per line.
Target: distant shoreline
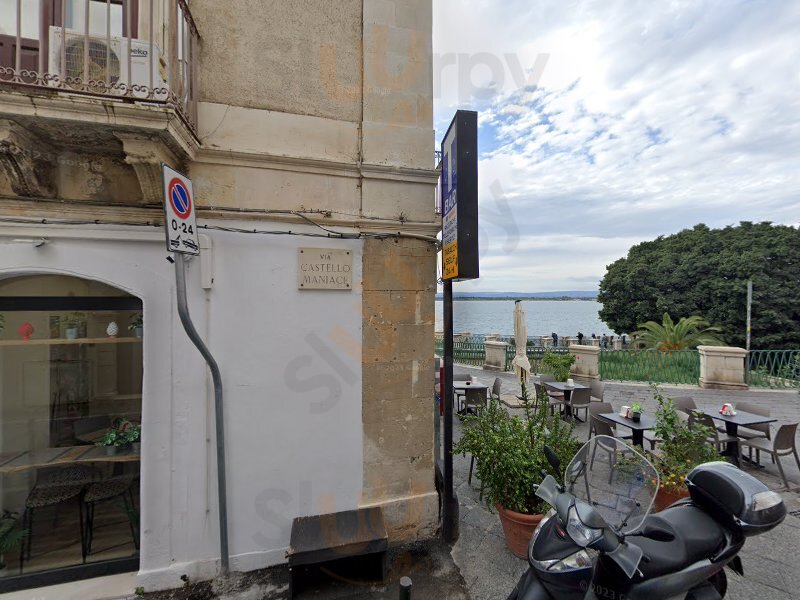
x,y
525,298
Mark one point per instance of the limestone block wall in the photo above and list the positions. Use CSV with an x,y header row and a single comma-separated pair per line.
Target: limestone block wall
x,y
295,57
722,367
397,396
586,365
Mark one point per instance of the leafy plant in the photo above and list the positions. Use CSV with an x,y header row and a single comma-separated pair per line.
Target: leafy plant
x,y
122,432
636,407
682,448
686,334
509,451
111,438
11,534
137,321
557,364
134,433
74,320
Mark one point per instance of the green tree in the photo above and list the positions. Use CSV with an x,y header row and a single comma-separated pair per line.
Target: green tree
x,y
688,333
705,271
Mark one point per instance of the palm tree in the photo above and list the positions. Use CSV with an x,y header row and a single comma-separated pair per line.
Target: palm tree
x,y
688,333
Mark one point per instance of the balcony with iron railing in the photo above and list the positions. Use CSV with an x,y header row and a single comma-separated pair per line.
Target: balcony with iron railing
x,y
135,51
113,81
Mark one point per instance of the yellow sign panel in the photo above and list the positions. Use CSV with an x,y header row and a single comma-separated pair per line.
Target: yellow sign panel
x,y
450,260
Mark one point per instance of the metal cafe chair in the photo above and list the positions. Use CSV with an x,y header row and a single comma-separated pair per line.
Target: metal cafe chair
x,y
761,430
717,439
580,399
119,488
55,486
784,444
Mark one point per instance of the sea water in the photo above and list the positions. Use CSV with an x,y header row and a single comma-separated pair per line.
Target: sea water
x,y
543,317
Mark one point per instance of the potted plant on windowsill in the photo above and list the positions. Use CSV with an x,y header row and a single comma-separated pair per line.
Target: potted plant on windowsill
x,y
134,436
682,448
112,441
11,536
137,325
73,323
509,454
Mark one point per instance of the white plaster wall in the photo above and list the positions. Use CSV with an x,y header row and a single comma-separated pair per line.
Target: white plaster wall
x,y
290,364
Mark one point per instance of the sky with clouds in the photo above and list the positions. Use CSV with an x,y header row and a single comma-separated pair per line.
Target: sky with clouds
x,y
603,124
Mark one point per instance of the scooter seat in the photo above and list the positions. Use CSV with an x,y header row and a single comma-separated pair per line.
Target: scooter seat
x,y
696,536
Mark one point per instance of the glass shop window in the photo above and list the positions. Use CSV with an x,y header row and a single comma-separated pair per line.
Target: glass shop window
x,y
70,415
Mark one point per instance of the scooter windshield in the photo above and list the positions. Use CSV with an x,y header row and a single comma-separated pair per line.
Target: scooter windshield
x,y
615,479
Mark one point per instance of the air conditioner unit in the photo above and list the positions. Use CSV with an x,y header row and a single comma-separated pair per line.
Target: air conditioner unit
x,y
105,65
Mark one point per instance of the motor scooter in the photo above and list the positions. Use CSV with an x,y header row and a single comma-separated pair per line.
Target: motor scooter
x,y
600,542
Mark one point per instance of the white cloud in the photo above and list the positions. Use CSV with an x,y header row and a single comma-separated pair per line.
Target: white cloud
x,y
650,117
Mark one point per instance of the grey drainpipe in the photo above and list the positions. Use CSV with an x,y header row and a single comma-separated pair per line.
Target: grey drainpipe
x,y
183,311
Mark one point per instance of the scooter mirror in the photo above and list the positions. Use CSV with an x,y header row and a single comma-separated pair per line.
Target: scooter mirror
x,y
552,458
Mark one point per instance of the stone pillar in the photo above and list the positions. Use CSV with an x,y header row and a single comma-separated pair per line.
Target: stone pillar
x,y
495,355
594,342
586,367
618,344
722,367
547,341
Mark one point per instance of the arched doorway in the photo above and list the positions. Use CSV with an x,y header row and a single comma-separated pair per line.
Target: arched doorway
x,y
70,414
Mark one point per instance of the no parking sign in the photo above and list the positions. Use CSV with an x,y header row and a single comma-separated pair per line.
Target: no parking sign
x,y
179,211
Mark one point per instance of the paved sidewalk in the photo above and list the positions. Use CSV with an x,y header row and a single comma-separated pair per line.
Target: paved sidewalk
x,y
771,561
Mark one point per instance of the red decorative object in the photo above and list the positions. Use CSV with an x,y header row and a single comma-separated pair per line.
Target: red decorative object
x,y
26,331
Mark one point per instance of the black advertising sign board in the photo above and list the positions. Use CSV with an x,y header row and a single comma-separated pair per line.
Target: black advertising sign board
x,y
459,189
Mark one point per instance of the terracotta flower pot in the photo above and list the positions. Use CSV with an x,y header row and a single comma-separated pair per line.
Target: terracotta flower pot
x,y
518,529
666,497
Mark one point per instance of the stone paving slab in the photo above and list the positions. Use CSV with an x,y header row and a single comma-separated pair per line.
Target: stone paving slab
x,y
771,561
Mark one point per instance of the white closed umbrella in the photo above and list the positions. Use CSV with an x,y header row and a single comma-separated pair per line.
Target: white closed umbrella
x,y
522,366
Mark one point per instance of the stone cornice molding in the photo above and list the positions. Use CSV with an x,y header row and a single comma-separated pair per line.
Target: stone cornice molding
x,y
29,162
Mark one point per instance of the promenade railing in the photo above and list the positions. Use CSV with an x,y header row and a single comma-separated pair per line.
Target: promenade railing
x,y
535,355
676,366
777,369
471,352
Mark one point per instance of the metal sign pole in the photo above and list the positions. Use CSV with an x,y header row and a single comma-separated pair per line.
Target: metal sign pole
x,y
749,309
188,325
450,501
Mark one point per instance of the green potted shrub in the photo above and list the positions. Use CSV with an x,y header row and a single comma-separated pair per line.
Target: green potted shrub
x,y
557,364
134,436
112,441
11,536
682,448
509,453
72,324
636,412
137,325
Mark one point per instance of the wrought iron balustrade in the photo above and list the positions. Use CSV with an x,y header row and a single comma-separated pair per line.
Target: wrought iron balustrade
x,y
142,51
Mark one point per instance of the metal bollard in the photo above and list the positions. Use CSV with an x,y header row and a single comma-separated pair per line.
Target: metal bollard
x,y
405,588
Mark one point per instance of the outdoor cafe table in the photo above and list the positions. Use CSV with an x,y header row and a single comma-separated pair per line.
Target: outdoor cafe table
x,y
732,423
463,386
562,386
637,429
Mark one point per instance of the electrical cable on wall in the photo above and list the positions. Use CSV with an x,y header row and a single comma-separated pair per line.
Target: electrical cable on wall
x,y
327,233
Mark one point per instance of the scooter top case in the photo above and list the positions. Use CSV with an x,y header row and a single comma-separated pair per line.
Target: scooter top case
x,y
735,498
